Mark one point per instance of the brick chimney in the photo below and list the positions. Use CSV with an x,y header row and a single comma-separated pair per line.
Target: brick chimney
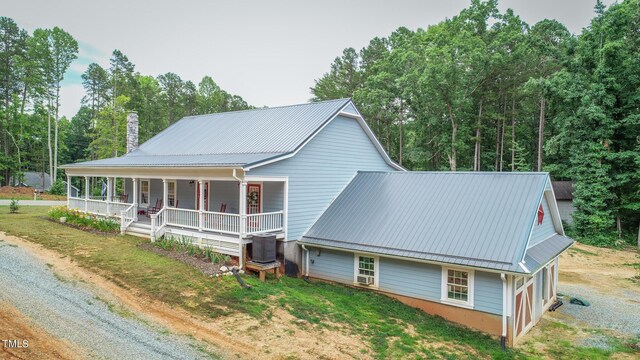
x,y
132,131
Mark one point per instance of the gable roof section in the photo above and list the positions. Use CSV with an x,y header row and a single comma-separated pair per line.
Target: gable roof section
x,y
476,219
231,139
563,190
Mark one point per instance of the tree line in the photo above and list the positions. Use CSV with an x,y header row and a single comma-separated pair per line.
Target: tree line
x,y
33,137
485,91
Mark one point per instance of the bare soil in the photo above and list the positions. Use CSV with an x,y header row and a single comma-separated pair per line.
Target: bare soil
x,y
8,192
40,345
234,336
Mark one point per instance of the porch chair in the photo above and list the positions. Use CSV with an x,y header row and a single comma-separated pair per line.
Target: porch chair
x,y
156,208
223,207
124,198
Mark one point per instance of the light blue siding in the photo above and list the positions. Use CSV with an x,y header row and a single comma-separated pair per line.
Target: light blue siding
x,y
186,194
322,169
407,278
224,192
544,230
331,265
350,109
487,292
272,196
410,279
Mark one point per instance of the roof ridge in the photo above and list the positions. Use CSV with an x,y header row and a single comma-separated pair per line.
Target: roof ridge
x,y
266,108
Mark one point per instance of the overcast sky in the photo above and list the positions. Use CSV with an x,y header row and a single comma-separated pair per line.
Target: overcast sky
x,y
268,52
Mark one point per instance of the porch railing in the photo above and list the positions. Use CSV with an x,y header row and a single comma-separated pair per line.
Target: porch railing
x,y
182,217
116,208
127,217
76,203
264,222
217,222
221,222
96,207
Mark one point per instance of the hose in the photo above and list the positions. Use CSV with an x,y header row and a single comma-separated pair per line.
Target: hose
x,y
237,275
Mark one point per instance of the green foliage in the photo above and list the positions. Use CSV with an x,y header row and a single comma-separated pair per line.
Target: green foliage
x,y
86,221
14,206
185,245
58,188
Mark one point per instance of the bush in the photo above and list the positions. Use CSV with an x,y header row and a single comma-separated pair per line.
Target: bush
x,y
58,188
14,206
83,220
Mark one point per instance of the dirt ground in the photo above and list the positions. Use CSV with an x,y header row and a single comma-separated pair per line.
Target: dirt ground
x,y
236,336
40,344
8,192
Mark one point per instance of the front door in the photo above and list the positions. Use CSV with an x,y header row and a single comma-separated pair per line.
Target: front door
x,y
254,198
206,196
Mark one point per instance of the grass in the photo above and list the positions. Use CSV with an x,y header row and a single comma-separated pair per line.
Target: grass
x,y
30,197
382,322
581,251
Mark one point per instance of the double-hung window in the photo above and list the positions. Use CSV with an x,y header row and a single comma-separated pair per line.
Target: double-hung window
x,y
366,270
171,193
457,286
144,192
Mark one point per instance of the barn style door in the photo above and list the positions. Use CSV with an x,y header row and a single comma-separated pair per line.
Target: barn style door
x,y
524,305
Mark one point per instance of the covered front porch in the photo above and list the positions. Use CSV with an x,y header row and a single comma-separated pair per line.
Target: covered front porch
x,y
221,212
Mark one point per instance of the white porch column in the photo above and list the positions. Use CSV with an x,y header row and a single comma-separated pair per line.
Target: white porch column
x,y
109,194
201,205
165,193
68,190
86,194
243,220
134,198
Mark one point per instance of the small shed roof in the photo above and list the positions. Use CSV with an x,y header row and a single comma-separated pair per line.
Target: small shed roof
x,y
563,190
36,180
478,219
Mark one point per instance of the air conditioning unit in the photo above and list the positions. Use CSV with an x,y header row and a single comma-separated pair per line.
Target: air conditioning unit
x,y
365,280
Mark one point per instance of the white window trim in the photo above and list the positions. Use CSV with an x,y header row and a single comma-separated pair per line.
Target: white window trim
x,y
443,290
148,190
376,270
175,192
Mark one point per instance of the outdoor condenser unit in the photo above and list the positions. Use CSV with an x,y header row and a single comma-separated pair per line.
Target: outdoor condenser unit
x,y
264,248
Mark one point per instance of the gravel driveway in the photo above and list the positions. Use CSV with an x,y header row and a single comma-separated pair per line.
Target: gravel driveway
x,y
70,312
618,313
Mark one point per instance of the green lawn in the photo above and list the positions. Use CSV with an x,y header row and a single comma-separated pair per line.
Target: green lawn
x,y
381,321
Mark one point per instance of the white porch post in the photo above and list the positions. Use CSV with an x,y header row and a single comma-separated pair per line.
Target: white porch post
x,y
109,194
165,193
243,220
86,194
134,199
68,190
201,205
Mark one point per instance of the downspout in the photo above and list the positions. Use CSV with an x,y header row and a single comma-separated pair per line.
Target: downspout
x,y
503,339
240,250
306,267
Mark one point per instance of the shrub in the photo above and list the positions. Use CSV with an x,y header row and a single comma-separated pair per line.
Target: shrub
x,y
14,206
83,220
57,188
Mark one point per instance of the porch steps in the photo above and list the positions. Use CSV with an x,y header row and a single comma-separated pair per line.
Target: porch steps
x,y
139,229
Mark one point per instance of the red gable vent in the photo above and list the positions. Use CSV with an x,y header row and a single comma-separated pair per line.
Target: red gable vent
x,y
540,214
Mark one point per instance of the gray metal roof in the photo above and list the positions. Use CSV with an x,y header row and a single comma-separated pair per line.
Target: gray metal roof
x,y
540,254
229,139
477,219
36,180
563,190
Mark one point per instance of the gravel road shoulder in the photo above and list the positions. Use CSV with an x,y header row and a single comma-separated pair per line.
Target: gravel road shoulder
x,y
76,321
